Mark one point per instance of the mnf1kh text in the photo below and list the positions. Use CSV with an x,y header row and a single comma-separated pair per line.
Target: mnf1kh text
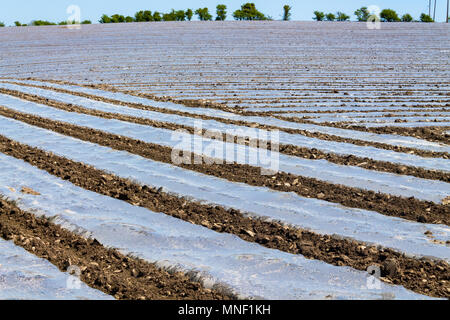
x,y
238,309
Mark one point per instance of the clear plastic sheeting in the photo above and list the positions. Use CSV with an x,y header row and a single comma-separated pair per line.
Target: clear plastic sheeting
x,y
355,116
317,215
248,269
359,135
24,276
150,134
384,120
132,99
399,185
406,124
351,134
271,63
337,109
259,106
129,98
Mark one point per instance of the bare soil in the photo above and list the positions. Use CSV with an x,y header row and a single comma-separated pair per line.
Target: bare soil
x,y
105,269
291,150
406,208
420,275
318,135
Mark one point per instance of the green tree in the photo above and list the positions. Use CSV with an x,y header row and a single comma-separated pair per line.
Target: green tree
x,y
425,18
2,24
319,15
17,24
171,16
249,12
117,18
287,13
362,14
407,17
341,16
42,23
157,16
189,14
203,14
143,16
129,19
180,15
86,22
105,19
139,16
221,11
330,17
238,15
147,16
389,15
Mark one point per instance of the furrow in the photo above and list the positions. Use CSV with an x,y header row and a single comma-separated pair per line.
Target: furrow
x,y
317,215
25,276
408,208
233,133
150,235
105,269
321,132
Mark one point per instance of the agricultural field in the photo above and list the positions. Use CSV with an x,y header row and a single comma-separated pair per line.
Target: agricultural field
x,y
225,160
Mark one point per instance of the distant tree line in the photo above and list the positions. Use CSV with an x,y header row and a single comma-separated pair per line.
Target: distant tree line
x,y
247,12
49,23
363,14
339,16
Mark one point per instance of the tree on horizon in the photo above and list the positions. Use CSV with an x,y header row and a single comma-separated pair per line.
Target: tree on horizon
x,y
287,13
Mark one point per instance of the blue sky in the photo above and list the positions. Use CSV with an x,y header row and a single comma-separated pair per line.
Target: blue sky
x,y
55,10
